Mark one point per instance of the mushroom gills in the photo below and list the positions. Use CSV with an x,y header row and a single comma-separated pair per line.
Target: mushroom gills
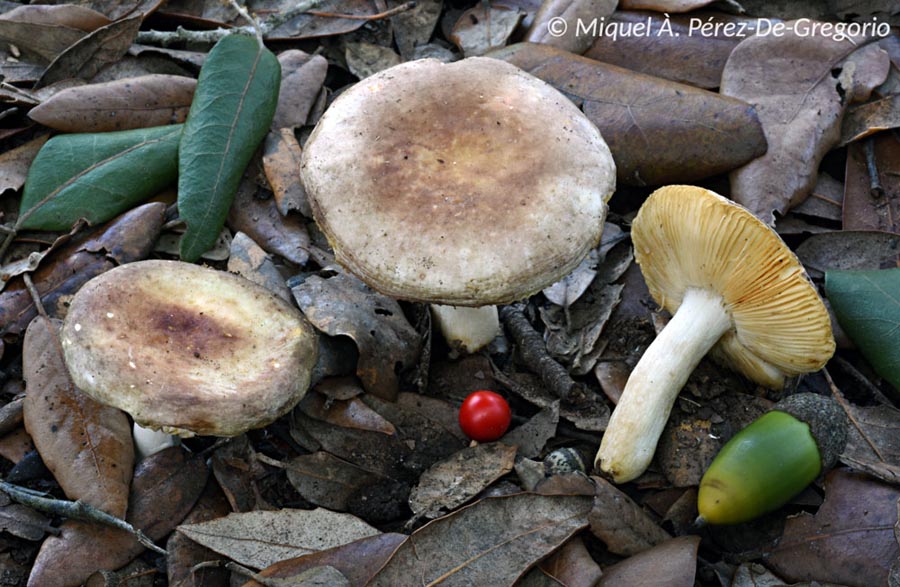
x,y
637,422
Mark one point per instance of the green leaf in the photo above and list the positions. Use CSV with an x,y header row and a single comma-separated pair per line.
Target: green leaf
x,y
233,107
97,176
867,306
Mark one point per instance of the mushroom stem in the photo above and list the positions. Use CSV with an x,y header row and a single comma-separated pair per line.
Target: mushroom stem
x,y
638,420
467,329
148,441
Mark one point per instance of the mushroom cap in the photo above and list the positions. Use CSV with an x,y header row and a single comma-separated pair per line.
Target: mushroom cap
x,y
688,237
188,349
470,183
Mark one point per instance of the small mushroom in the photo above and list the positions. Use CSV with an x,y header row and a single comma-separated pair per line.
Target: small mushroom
x,y
733,287
467,184
188,349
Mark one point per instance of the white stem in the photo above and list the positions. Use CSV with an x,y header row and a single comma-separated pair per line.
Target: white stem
x,y
148,441
467,329
638,420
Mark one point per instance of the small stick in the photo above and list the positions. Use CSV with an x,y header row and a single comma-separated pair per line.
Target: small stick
x,y
875,188
534,353
76,510
385,14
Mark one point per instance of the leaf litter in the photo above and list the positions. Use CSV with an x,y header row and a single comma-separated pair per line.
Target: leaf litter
x,y
377,442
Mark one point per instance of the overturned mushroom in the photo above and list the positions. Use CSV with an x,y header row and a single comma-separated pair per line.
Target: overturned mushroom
x,y
187,349
466,184
732,286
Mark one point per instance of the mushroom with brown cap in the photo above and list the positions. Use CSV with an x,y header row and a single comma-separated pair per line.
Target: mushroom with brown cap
x,y
733,287
467,184
188,349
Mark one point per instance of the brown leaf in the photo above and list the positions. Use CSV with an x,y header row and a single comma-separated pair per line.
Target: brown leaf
x,y
491,542
184,553
281,163
47,31
572,565
247,259
357,561
413,28
532,436
658,131
15,445
261,221
325,480
849,541
849,250
572,12
620,523
309,26
365,59
351,413
672,563
874,442
484,27
826,200
85,444
237,470
683,56
151,100
89,55
755,575
14,163
454,481
344,305
261,539
166,485
124,239
302,76
866,208
116,9
867,119
663,5
799,105
22,521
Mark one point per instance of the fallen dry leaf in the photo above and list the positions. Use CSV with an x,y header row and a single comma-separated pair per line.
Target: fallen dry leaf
x,y
325,480
491,542
483,28
678,52
620,523
247,259
545,27
14,163
262,538
309,26
166,485
358,561
572,565
800,107
184,553
124,239
849,250
47,31
22,521
365,59
281,164
850,540
260,220
117,9
870,118
826,200
452,482
413,28
344,305
663,5
672,563
755,575
349,413
873,203
151,100
237,470
88,56
302,76
85,444
658,131
532,436
874,442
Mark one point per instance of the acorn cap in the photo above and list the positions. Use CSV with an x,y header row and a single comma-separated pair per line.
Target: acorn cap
x,y
827,421
689,237
470,183
188,349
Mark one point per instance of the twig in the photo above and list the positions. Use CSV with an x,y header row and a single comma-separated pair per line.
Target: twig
x,y
381,15
242,10
75,510
875,188
839,397
853,372
534,352
166,38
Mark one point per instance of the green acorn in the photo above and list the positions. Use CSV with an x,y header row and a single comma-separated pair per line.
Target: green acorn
x,y
773,459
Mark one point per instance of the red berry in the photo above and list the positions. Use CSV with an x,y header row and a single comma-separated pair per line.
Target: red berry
x,y
484,416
